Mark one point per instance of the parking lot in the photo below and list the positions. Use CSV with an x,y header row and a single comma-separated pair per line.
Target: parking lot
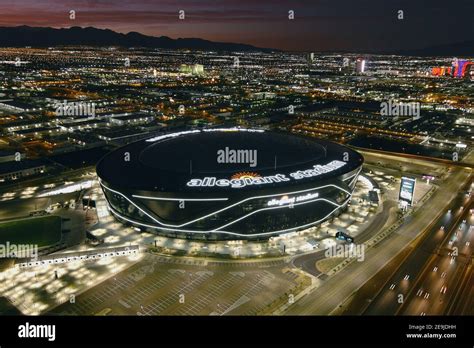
x,y
159,286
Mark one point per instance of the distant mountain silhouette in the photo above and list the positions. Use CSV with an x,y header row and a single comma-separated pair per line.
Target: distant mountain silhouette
x,y
46,37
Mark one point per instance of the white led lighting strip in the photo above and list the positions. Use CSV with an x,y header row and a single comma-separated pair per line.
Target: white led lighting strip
x,y
226,232
181,199
218,211
278,207
352,176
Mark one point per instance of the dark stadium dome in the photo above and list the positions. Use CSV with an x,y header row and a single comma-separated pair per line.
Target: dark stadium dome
x,y
228,183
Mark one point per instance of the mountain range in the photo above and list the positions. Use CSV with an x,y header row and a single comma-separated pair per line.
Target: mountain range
x,y
47,37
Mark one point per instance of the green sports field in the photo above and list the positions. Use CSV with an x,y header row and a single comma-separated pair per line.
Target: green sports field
x,y
43,231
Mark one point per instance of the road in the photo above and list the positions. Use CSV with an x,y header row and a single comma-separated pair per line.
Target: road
x,y
19,208
343,284
19,202
422,254
48,178
438,286
307,262
464,303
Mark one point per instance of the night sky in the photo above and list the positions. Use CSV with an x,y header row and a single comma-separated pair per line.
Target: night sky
x,y
318,24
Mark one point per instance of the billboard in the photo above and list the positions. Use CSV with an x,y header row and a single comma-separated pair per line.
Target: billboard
x,y
407,190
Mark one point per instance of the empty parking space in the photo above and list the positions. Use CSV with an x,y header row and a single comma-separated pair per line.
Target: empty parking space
x,y
162,286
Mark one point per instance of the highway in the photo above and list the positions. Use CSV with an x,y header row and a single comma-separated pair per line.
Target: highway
x,y
463,304
408,279
336,289
438,286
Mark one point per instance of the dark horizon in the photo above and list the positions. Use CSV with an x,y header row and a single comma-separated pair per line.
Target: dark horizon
x,y
341,25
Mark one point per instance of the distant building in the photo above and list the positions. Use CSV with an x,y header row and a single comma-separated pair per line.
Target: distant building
x,y
346,62
467,121
80,124
441,71
131,119
122,133
387,72
8,156
22,124
37,132
462,68
16,106
360,65
15,170
310,57
459,69
195,69
264,95
85,139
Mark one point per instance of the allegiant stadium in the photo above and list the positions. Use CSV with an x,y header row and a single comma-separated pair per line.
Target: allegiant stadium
x,y
228,183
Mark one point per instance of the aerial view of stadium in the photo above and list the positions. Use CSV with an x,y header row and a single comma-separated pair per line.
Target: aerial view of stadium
x,y
174,184
299,167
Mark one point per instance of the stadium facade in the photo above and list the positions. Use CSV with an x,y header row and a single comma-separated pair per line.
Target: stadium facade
x,y
232,183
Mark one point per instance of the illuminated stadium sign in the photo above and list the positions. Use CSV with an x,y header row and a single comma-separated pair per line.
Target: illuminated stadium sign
x,y
285,200
407,190
247,181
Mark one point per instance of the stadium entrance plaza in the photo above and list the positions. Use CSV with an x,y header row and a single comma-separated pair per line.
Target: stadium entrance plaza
x,y
232,277
359,215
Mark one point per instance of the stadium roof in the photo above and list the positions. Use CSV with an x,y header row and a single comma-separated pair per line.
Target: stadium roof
x,y
168,162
